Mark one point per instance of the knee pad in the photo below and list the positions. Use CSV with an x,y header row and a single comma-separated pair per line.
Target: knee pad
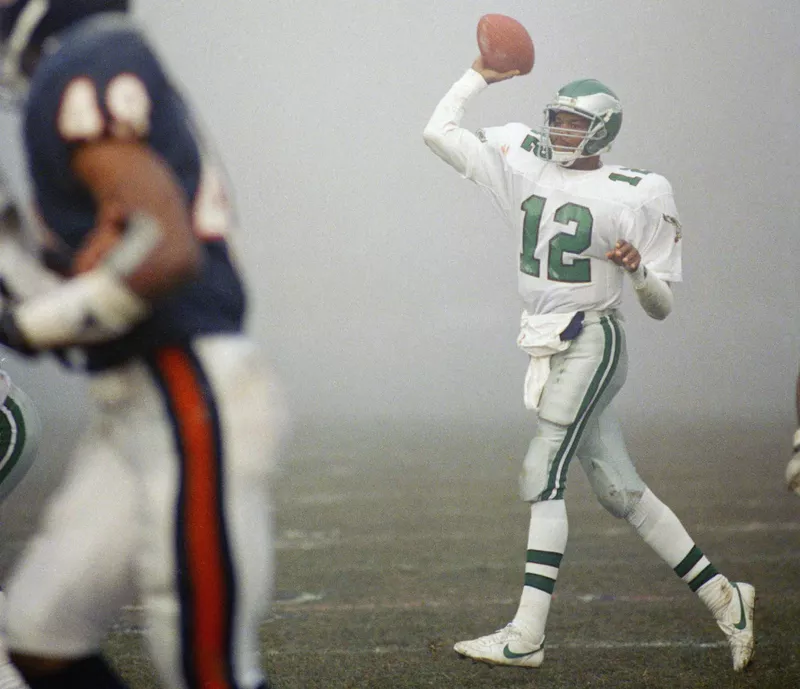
x,y
616,494
620,502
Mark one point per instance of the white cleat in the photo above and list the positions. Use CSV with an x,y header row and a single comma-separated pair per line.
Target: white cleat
x,y
737,623
507,646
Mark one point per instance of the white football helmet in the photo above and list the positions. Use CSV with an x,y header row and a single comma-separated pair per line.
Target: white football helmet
x,y
592,100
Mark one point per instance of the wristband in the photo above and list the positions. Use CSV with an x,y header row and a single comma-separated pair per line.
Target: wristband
x,y
639,276
93,307
653,293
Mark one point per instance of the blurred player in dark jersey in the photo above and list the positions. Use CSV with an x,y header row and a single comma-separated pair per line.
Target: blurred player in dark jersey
x,y
139,223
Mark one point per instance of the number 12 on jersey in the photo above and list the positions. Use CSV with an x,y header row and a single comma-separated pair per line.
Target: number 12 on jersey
x,y
579,269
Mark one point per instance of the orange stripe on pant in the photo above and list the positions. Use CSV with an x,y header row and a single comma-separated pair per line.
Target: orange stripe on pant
x,y
201,516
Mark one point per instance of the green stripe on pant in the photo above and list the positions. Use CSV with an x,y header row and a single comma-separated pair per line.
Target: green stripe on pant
x,y
605,372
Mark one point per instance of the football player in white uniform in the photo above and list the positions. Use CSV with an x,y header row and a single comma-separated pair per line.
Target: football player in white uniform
x,y
583,226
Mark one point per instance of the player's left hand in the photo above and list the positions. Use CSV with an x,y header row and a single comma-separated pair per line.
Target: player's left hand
x,y
626,255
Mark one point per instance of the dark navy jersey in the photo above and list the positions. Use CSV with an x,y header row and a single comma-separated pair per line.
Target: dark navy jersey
x,y
103,80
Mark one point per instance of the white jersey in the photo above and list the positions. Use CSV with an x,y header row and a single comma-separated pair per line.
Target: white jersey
x,y
566,219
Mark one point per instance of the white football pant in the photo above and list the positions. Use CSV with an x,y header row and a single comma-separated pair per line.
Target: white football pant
x,y
167,497
575,420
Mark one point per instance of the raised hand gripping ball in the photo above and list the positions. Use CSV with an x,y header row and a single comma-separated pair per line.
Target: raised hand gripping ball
x,y
505,44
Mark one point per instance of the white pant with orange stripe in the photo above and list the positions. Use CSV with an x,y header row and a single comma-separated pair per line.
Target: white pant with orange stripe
x,y
168,496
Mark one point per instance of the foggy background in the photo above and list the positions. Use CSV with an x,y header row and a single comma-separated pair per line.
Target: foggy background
x,y
384,285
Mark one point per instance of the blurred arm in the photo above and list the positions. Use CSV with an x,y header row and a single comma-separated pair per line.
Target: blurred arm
x,y
127,179
157,253
22,275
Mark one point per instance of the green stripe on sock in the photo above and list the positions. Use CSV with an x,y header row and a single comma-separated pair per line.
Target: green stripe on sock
x,y
537,581
685,566
544,557
703,577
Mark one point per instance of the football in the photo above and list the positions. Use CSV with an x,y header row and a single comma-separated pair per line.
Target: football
x,y
505,44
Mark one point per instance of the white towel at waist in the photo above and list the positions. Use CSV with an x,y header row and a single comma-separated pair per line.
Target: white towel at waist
x,y
539,338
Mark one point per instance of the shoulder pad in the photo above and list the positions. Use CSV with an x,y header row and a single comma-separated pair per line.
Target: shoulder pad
x,y
94,90
640,182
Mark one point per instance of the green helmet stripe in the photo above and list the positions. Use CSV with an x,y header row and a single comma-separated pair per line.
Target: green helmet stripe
x,y
585,87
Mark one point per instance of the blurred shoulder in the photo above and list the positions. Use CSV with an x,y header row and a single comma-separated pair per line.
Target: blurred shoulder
x,y
95,49
102,69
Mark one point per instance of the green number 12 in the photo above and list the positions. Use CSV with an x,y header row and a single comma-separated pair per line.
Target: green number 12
x,y
580,269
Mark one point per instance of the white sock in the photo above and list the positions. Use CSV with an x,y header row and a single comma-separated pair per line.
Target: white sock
x,y
663,532
660,528
717,594
547,541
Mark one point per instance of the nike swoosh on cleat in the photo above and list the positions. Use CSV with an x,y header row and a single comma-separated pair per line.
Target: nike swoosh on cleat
x,y
508,653
742,623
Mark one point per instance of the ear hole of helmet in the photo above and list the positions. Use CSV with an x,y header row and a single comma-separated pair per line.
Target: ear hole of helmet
x,y
598,139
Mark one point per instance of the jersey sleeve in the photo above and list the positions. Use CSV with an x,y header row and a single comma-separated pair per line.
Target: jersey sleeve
x,y
478,157
656,233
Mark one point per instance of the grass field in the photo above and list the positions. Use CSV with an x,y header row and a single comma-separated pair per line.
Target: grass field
x,y
394,543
